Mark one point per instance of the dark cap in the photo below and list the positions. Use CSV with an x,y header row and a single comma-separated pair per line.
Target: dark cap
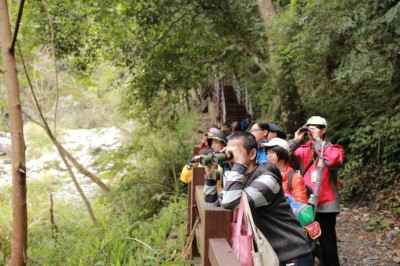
x,y
279,132
220,137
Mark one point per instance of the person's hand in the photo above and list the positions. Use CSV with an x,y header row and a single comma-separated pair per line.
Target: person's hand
x,y
314,133
204,140
208,168
299,135
238,156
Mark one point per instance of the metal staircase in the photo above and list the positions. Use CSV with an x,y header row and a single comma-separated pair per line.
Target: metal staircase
x,y
230,101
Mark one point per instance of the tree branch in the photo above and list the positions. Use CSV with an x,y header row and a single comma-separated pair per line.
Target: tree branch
x,y
14,39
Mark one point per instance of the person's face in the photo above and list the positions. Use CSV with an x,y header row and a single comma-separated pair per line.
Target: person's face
x,y
272,135
217,145
258,133
272,157
239,152
315,131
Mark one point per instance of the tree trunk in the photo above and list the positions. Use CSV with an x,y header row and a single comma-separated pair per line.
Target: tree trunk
x,y
266,9
19,237
291,110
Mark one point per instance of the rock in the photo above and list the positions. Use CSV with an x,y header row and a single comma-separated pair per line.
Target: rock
x,y
356,217
396,259
81,143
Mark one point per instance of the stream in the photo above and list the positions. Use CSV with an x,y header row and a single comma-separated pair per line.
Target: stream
x,y
81,143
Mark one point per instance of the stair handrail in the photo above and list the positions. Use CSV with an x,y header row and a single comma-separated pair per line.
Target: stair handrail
x,y
223,105
216,90
249,108
242,92
237,89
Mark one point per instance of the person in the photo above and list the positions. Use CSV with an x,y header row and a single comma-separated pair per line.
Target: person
x,y
245,123
270,209
278,153
275,132
187,170
328,200
226,129
260,131
206,141
219,141
236,128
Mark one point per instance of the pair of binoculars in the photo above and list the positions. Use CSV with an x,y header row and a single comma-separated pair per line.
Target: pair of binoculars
x,y
194,160
303,129
215,158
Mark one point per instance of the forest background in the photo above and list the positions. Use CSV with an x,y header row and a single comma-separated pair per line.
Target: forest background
x,y
104,63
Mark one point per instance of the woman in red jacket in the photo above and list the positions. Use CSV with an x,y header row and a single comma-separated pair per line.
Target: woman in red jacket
x,y
278,153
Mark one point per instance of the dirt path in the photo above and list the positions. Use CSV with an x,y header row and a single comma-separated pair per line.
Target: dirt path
x,y
368,237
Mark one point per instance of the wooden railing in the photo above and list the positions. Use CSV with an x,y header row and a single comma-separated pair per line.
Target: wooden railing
x,y
213,229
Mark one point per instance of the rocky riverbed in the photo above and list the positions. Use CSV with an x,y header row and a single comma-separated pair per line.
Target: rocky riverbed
x,y
81,143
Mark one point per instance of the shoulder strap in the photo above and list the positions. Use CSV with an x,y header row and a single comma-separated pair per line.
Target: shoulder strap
x,y
290,178
308,167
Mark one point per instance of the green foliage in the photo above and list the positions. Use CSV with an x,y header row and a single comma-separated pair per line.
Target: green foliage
x,y
143,175
145,168
341,57
378,223
39,141
344,59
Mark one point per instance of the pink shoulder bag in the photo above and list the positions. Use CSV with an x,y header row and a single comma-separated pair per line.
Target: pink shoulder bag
x,y
249,244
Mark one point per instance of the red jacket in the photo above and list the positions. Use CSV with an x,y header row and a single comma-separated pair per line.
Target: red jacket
x,y
328,200
298,191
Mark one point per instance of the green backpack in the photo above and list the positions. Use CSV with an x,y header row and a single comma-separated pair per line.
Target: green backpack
x,y
304,213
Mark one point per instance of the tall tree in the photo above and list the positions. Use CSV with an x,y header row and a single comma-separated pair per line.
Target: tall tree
x,y
290,108
19,240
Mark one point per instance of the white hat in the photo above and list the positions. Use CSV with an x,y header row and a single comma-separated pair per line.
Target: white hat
x,y
317,120
277,142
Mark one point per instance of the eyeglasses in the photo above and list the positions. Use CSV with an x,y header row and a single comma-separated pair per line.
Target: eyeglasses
x,y
256,129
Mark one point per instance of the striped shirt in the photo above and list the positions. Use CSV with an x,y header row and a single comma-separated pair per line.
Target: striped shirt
x,y
262,191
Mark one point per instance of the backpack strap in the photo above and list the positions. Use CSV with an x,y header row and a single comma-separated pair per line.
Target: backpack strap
x,y
309,190
290,178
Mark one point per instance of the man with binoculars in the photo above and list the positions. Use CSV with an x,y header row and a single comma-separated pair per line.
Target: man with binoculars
x,y
262,184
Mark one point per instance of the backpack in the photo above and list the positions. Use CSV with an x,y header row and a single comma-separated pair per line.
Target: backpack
x,y
309,189
304,213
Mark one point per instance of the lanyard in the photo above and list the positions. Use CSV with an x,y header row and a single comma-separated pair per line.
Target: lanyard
x,y
315,156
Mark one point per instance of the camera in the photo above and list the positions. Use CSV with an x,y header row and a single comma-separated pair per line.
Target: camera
x,y
303,129
220,157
